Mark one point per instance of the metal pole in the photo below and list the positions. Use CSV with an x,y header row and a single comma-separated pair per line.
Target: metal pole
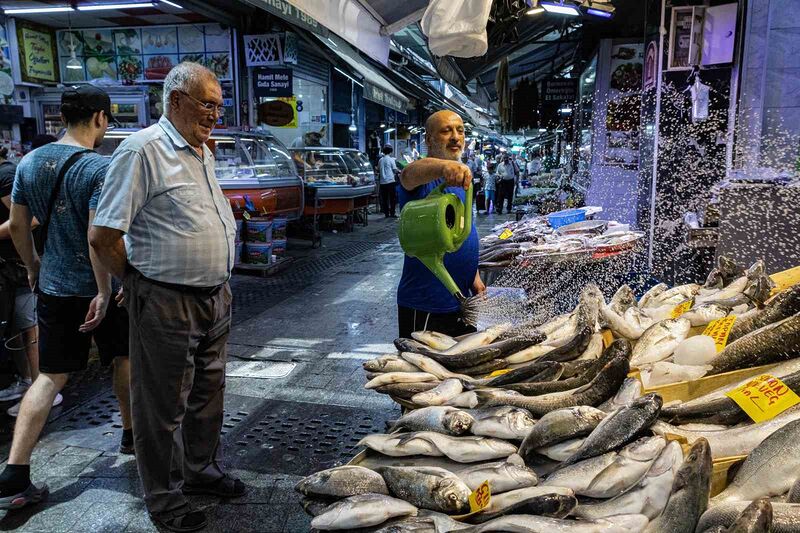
x,y
656,134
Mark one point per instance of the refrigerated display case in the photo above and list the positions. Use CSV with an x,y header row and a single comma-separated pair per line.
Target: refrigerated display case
x,y
129,106
336,173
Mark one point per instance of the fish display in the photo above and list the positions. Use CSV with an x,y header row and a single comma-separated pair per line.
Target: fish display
x,y
559,426
503,476
363,510
447,420
431,488
785,516
504,422
770,344
341,482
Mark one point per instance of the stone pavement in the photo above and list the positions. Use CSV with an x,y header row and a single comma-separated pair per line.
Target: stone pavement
x,y
295,401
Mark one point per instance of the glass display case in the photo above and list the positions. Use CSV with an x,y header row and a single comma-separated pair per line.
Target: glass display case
x,y
335,172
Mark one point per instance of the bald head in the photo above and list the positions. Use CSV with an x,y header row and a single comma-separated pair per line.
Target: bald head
x,y
444,134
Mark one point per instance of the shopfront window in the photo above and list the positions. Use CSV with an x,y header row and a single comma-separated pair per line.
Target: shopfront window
x,y
299,120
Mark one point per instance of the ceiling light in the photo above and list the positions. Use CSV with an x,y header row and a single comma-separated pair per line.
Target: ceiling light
x,y
599,13
383,125
32,10
352,126
173,4
565,110
560,8
103,7
74,63
390,130
542,130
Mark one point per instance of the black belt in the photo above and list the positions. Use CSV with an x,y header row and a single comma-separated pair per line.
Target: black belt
x,y
186,289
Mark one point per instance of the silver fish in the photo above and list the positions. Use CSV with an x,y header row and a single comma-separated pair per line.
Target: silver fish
x,y
476,340
558,452
508,499
619,325
522,523
558,426
648,497
630,390
653,292
399,377
466,449
785,304
426,364
623,299
341,482
785,516
434,340
406,390
594,349
688,499
396,446
703,314
731,291
770,344
389,363
364,510
756,518
447,420
511,423
427,487
794,492
659,341
769,470
502,476
441,394
467,400
675,295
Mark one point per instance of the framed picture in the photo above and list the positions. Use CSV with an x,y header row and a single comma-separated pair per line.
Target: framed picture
x,y
37,53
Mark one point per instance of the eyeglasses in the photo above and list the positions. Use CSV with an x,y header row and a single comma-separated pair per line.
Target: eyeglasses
x,y
211,107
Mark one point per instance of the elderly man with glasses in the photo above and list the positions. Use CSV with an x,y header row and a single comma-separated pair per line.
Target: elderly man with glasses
x,y
164,227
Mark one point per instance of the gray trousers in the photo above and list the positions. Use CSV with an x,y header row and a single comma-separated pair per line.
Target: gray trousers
x,y
177,355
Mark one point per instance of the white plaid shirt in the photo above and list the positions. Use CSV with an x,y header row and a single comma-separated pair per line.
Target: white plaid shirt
x,y
179,227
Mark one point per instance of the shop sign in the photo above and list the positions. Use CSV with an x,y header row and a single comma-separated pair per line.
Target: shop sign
x,y
272,82
384,98
36,54
287,11
560,90
278,113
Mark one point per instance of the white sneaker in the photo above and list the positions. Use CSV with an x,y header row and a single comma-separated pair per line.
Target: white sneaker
x,y
15,391
14,409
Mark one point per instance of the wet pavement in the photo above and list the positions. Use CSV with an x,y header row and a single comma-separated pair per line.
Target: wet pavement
x,y
295,401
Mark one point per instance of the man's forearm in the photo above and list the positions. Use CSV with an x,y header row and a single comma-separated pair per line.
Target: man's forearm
x,y
114,257
420,172
23,242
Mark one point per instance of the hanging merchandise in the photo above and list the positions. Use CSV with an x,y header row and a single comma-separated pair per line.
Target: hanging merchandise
x,y
525,105
700,98
457,27
503,94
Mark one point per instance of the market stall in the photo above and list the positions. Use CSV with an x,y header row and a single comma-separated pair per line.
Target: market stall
x,y
339,183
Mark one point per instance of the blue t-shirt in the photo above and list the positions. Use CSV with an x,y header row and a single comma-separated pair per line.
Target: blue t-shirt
x,y
66,268
419,288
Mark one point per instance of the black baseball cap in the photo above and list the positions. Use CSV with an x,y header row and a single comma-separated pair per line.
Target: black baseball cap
x,y
90,98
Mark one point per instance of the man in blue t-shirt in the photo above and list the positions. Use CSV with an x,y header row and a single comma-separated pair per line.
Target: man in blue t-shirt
x,y
422,300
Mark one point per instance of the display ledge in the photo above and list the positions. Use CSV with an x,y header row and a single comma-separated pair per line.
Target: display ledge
x,y
332,192
259,183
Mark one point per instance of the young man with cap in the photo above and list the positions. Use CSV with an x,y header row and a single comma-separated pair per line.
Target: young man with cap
x,y
60,184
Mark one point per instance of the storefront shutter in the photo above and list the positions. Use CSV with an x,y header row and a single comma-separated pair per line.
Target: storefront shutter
x,y
311,65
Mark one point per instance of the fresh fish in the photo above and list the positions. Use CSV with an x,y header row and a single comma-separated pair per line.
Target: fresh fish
x,y
467,400
619,325
389,363
601,388
575,368
675,295
521,523
502,476
510,423
364,510
431,366
558,452
785,304
794,492
476,340
425,522
483,354
688,499
719,409
703,314
519,375
552,505
529,354
506,500
413,346
785,516
735,441
594,349
702,427
464,449
389,378
664,373
724,273
630,389
447,420
434,340
610,474
654,292
622,300
427,487
406,390
770,344
659,341
444,392
648,497
552,373
558,426
573,348
485,368
759,289
619,428
341,482
756,518
314,506
396,445
731,291
556,323
769,470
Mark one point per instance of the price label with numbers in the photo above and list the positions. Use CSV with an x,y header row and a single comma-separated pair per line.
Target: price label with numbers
x,y
480,498
719,330
681,308
506,234
764,397
499,372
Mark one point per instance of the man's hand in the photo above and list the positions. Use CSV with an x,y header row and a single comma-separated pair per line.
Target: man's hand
x,y
120,297
97,311
33,273
456,174
477,286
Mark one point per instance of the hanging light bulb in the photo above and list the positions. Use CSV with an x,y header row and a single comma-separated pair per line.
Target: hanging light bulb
x,y
352,126
73,62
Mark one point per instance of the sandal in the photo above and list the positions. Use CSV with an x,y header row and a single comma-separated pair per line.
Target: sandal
x,y
191,520
225,487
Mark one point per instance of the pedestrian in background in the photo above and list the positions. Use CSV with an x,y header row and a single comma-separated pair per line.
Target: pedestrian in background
x,y
163,223
506,185
387,166
490,186
60,184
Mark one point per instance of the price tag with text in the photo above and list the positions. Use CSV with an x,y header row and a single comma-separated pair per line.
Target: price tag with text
x,y
719,330
681,308
506,234
764,397
499,372
480,498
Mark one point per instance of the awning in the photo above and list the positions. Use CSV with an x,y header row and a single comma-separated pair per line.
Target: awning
x,y
376,87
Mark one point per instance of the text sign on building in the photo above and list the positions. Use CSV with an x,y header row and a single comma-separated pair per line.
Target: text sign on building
x,y
385,98
560,91
272,82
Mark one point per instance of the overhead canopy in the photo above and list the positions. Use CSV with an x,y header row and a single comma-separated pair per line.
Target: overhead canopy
x,y
376,87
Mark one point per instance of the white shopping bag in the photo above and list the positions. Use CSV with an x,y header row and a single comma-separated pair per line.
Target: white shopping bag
x,y
457,27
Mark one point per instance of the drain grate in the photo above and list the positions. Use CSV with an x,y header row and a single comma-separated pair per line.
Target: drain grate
x,y
301,438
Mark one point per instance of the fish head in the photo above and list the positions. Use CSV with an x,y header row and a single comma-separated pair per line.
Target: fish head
x,y
524,476
759,289
452,494
520,420
677,327
756,517
624,297
644,449
618,348
757,269
714,280
651,403
696,467
458,422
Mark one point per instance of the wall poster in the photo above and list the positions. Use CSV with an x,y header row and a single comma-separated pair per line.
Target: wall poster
x,y
36,53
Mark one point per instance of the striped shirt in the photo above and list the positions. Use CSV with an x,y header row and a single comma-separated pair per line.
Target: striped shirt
x,y
179,227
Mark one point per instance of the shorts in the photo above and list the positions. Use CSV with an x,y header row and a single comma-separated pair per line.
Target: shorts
x,y
64,349
24,309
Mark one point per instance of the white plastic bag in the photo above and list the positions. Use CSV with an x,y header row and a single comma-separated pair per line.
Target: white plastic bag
x,y
457,27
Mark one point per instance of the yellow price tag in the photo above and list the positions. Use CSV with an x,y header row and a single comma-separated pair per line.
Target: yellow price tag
x,y
506,234
682,308
764,397
608,338
719,330
500,372
480,498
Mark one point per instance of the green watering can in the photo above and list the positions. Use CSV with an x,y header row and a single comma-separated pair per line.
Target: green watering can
x,y
434,226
